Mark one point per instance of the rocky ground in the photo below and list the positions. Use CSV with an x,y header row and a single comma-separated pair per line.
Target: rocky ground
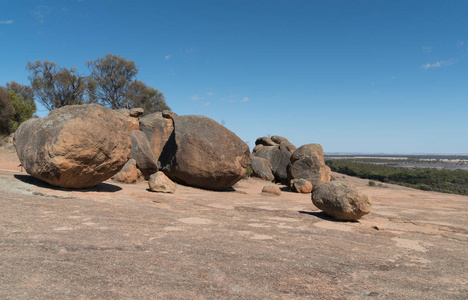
x,y
118,241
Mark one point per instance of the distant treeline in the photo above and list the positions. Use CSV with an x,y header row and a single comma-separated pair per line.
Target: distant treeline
x,y
427,179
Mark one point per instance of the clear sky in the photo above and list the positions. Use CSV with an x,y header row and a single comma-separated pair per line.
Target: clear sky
x,y
354,76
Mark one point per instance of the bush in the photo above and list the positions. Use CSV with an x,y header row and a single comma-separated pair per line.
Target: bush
x,y
372,183
248,172
6,113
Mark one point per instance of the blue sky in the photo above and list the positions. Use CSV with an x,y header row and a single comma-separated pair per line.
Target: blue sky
x,y
354,76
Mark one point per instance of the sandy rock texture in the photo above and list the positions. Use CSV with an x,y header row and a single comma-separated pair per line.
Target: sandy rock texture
x,y
76,146
119,241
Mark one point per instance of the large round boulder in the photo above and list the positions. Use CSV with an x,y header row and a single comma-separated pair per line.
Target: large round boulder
x,y
76,146
341,200
307,163
202,153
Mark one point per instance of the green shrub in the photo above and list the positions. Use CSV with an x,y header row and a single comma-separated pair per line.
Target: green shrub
x,y
372,183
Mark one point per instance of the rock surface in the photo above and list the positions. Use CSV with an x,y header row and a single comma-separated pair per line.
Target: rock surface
x,y
132,117
129,173
271,189
159,182
76,146
341,200
301,186
279,157
265,141
261,168
307,162
145,159
257,148
158,128
203,153
282,140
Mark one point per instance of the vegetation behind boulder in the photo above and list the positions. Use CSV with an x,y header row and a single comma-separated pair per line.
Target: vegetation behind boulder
x,y
427,179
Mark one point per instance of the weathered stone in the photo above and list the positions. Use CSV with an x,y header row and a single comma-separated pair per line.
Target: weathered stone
x,y
136,112
265,141
261,168
129,173
271,189
257,148
307,162
145,159
279,158
159,182
310,169
301,186
203,153
76,146
341,200
158,130
131,116
282,140
314,150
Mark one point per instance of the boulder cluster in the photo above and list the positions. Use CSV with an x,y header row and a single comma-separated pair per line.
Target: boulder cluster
x,y
304,170
80,146
277,159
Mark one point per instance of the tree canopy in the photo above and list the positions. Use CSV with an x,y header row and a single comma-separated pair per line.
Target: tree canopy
x,y
111,82
55,87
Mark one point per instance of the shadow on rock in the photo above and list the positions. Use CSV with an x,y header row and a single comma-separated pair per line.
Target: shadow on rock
x,y
323,216
101,187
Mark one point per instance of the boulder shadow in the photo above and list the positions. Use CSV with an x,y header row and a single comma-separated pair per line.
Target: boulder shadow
x,y
101,187
324,216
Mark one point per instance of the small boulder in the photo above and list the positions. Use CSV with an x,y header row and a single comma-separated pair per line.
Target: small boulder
x,y
301,186
129,173
307,162
76,146
341,200
265,141
271,189
145,159
261,168
257,148
279,157
159,182
279,140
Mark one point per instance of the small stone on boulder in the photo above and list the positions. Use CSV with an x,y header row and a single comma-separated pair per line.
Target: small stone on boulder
x,y
341,200
159,182
271,189
265,141
257,148
301,186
